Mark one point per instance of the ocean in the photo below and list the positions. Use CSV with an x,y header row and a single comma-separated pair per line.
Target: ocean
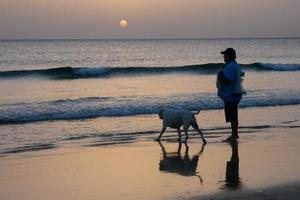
x,y
56,93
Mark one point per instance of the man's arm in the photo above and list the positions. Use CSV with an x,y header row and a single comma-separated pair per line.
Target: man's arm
x,y
222,78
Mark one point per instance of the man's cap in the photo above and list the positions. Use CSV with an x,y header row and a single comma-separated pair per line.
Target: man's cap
x,y
229,52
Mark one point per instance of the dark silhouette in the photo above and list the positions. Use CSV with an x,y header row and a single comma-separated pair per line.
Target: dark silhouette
x,y
232,168
174,162
230,90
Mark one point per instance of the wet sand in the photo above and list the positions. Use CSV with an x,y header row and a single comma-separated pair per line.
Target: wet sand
x,y
264,164
289,191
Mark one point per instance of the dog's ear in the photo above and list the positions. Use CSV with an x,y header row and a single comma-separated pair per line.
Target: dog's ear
x,y
161,114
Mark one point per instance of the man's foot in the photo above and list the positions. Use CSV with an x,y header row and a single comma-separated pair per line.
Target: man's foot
x,y
231,139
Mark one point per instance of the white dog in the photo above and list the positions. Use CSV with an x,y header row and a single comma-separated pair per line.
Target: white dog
x,y
176,118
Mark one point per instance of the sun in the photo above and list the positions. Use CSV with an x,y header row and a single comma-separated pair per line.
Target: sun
x,y
123,23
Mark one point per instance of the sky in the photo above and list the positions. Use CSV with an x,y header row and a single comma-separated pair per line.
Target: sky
x,y
99,19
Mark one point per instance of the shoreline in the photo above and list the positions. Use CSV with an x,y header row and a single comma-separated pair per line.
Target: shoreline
x,y
110,131
139,168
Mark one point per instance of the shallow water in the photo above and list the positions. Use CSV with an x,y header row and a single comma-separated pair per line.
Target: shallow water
x,y
102,132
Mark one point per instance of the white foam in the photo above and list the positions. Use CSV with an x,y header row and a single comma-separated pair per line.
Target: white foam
x,y
91,107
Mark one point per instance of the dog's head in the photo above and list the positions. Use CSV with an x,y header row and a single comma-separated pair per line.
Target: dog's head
x,y
161,114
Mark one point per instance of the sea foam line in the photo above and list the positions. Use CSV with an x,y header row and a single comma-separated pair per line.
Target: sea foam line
x,y
92,107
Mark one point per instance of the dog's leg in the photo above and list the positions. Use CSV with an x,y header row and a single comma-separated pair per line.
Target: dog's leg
x,y
185,129
179,134
163,149
161,133
195,126
186,135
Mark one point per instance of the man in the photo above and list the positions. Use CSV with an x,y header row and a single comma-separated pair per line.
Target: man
x,y
229,84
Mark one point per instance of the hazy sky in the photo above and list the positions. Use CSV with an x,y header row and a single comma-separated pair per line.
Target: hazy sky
x,y
37,19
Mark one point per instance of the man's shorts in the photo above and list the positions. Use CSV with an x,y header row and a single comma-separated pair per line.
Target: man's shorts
x,y
231,111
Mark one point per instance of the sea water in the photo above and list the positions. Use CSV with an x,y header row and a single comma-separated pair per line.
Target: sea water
x,y
60,92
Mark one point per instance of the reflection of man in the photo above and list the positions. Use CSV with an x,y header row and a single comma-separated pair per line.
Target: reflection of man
x,y
232,168
229,84
174,162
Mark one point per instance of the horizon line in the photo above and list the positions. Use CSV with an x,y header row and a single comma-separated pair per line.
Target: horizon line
x,y
196,38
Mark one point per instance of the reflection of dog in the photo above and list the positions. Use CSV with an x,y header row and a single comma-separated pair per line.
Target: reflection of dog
x,y
175,162
176,118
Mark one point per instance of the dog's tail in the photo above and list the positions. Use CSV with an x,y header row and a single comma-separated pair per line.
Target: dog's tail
x,y
195,112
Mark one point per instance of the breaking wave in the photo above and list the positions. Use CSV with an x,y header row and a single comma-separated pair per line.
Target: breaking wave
x,y
105,72
84,108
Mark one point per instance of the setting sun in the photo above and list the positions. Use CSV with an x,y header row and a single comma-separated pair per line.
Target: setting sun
x,y
123,23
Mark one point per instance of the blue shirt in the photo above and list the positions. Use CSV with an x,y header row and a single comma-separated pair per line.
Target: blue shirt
x,y
232,91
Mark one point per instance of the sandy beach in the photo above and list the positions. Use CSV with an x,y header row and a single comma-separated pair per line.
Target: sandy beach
x,y
264,164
